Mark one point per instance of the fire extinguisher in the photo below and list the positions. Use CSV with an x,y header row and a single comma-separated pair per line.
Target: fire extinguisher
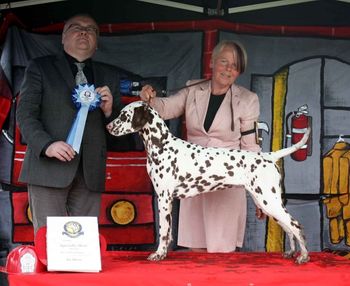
x,y
299,122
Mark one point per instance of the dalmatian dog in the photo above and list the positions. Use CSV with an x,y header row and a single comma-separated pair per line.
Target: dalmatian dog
x,y
179,169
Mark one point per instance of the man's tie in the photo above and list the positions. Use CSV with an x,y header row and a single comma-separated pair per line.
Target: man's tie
x,y
80,77
76,133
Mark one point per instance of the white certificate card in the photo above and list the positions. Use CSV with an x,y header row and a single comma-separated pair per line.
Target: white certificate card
x,y
73,244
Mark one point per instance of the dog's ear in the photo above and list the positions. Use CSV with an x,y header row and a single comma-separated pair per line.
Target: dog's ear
x,y
147,113
141,116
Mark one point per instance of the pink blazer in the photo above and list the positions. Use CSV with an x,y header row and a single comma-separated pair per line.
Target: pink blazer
x,y
239,105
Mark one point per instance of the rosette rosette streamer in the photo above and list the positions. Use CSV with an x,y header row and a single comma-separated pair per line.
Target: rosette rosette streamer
x,y
85,99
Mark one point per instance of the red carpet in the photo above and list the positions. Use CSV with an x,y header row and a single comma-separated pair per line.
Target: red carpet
x,y
199,269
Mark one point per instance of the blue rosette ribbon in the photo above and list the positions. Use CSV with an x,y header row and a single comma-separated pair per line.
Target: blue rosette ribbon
x,y
85,99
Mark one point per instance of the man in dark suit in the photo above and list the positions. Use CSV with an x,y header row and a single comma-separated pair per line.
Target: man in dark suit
x,y
60,180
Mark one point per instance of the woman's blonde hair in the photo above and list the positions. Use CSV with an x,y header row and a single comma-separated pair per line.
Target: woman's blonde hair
x,y
238,51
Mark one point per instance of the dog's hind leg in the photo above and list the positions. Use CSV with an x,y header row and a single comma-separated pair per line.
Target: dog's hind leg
x,y
270,202
300,237
292,251
294,231
165,226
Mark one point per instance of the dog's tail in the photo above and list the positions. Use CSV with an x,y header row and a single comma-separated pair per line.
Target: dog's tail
x,y
287,151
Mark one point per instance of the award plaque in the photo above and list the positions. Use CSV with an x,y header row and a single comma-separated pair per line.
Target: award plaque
x,y
73,244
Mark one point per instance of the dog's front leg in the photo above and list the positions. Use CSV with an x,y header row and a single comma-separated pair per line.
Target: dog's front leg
x,y
165,225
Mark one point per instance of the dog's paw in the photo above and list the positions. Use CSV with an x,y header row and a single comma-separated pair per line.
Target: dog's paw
x,y
289,254
302,258
156,256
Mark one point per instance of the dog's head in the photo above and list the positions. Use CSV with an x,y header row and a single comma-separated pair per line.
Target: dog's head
x,y
132,118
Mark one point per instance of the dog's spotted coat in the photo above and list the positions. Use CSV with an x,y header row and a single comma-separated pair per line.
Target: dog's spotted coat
x,y
179,169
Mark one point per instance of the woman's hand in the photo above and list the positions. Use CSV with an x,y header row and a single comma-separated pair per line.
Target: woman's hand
x,y
147,93
259,213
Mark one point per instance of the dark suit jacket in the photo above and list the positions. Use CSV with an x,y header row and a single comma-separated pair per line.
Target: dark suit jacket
x,y
45,114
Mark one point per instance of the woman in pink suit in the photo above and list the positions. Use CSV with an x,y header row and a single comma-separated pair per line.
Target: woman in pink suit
x,y
218,113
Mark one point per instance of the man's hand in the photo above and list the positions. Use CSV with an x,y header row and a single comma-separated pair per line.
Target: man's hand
x,y
60,150
106,100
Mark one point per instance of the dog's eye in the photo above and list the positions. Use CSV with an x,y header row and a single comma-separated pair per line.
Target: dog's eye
x,y
123,117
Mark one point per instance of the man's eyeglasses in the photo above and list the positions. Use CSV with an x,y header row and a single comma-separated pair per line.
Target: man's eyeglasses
x,y
76,28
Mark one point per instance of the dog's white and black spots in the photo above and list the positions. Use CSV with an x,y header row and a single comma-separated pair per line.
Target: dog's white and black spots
x,y
179,169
